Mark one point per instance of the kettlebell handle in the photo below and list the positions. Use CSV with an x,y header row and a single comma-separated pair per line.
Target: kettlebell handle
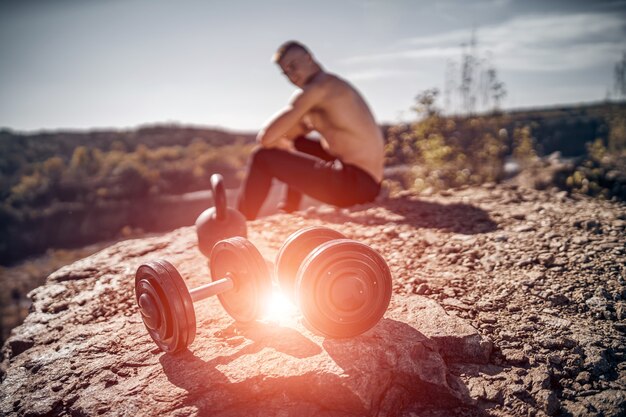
x,y
219,196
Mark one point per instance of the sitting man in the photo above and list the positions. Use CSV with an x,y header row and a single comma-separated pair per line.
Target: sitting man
x,y
343,168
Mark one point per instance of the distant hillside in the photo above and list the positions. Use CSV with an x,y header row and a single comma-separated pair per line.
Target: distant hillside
x,y
19,149
72,188
66,189
563,128
567,128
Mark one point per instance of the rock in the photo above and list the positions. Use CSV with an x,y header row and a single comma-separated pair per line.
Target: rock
x,y
551,295
455,304
512,308
597,303
554,343
608,403
422,289
457,340
494,394
518,390
95,356
524,228
620,327
620,310
558,300
538,378
546,259
19,344
583,377
595,361
549,401
556,359
488,318
515,357
602,293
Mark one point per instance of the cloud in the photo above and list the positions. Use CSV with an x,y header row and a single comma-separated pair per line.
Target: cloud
x,y
529,43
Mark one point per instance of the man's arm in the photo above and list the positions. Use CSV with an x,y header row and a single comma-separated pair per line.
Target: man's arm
x,y
286,141
287,122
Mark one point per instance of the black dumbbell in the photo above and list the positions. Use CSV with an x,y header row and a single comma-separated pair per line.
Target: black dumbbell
x,y
241,281
218,222
343,287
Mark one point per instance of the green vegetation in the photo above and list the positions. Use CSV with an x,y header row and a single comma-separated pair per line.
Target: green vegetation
x,y
40,170
70,189
449,152
452,151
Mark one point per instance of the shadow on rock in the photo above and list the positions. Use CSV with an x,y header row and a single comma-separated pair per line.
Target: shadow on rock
x,y
281,339
455,217
261,382
193,374
406,365
388,370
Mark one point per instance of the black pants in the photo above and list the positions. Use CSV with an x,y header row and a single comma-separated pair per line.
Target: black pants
x,y
311,171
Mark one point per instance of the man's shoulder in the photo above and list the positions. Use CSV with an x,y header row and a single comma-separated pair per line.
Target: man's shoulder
x,y
333,79
327,82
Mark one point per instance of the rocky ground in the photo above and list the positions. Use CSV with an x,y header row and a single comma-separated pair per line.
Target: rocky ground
x,y
16,281
507,301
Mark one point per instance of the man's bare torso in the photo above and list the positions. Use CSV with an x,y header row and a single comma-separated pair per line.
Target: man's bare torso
x,y
346,124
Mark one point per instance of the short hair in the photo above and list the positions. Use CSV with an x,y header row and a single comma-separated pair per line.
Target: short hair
x,y
286,47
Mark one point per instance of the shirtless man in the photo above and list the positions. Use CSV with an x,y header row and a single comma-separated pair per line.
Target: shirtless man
x,y
343,168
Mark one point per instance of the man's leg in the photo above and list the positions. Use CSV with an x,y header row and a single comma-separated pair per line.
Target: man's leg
x,y
308,146
329,181
301,172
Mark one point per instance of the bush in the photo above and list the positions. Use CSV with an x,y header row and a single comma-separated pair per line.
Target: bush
x,y
449,152
601,174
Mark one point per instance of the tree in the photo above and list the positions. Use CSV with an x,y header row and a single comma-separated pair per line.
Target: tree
x,y
469,66
477,78
494,89
83,163
425,103
53,168
619,76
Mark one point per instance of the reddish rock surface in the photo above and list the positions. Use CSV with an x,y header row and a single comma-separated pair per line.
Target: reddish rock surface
x,y
507,301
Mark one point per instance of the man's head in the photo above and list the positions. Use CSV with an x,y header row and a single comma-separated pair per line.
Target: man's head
x,y
296,62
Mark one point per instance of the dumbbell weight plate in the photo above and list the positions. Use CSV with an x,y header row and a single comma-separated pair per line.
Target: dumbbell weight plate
x,y
238,259
343,288
297,246
165,305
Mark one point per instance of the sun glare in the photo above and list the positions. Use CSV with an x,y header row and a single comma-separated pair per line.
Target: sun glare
x,y
279,308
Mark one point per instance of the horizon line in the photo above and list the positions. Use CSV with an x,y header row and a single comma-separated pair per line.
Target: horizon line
x,y
235,131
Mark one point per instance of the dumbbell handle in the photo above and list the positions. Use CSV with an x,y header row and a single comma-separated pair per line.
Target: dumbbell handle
x,y
210,289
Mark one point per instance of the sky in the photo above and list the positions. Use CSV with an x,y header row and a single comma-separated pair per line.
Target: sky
x,y
96,64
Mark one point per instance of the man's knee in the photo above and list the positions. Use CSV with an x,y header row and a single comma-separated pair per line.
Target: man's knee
x,y
262,155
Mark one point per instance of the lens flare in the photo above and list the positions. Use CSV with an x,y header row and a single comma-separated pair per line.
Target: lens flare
x,y
279,308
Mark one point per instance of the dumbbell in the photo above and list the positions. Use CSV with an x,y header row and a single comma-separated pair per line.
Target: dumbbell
x,y
241,281
343,287
218,222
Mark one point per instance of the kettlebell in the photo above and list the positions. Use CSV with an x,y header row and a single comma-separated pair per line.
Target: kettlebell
x,y
219,222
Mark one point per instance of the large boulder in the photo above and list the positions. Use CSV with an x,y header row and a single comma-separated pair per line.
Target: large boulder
x,y
456,339
83,350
